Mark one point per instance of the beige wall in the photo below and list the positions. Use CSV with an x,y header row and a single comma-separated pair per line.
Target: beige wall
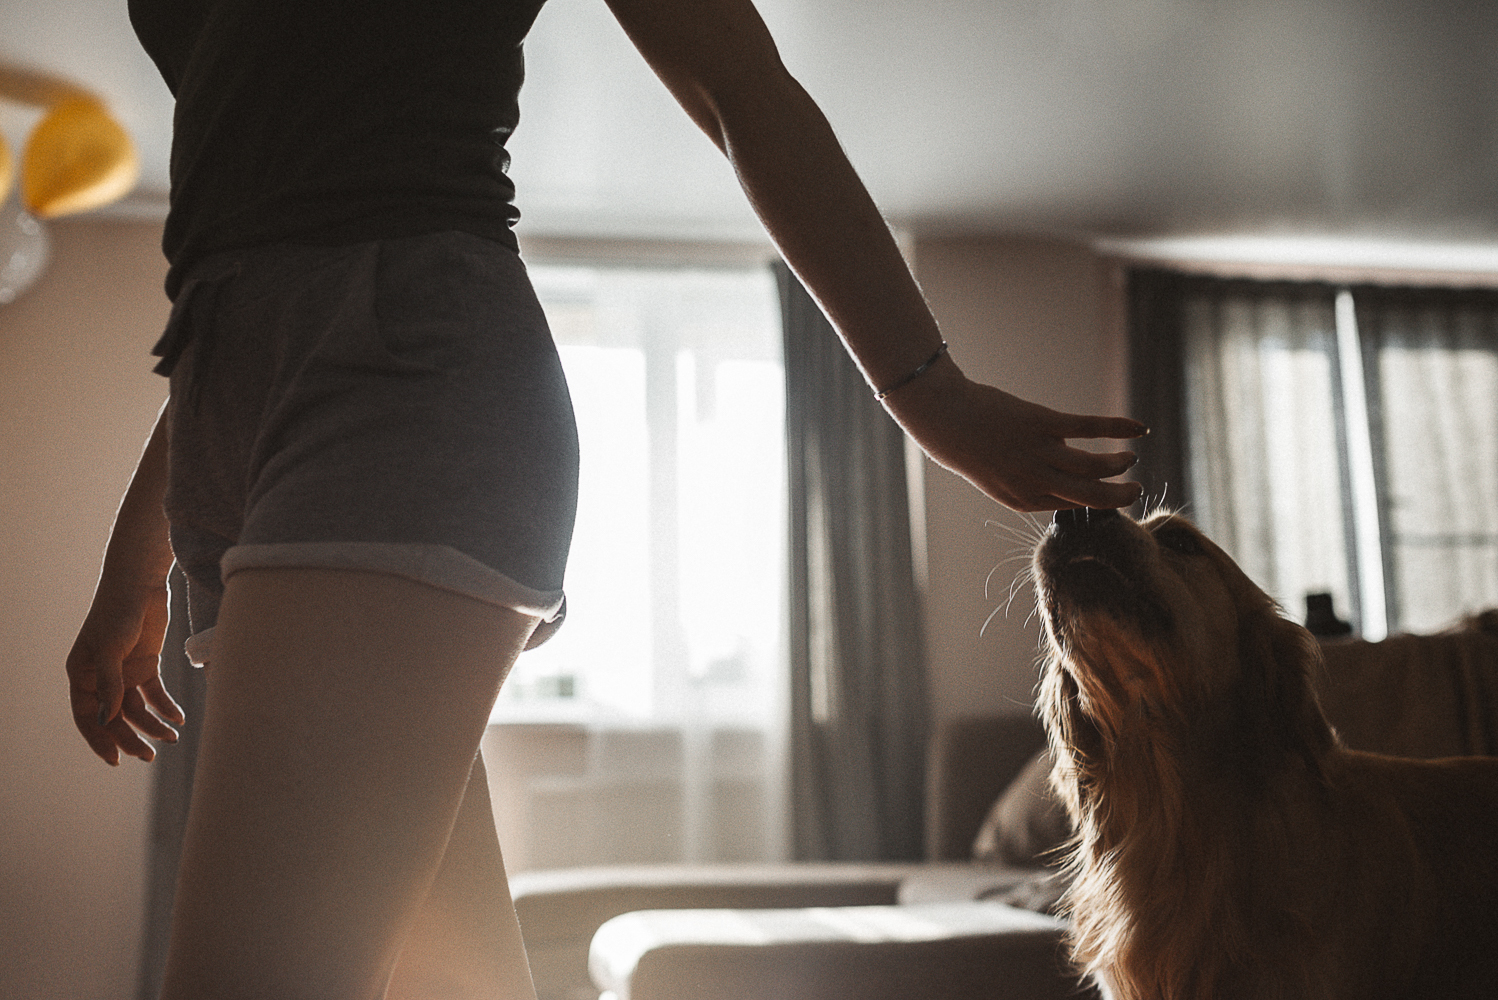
x,y
78,398
1039,319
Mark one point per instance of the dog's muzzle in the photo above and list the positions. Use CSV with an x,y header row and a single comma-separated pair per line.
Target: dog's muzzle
x,y
1094,560
1084,535
1083,519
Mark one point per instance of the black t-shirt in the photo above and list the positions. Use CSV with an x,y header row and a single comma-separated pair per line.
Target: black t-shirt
x,y
335,121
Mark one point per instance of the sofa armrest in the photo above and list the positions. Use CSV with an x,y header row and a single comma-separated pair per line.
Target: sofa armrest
x,y
560,910
1037,889
935,952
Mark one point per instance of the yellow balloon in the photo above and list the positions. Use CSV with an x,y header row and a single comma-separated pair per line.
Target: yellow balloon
x,y
77,159
7,169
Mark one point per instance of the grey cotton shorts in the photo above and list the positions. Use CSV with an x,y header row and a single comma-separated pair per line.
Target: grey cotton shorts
x,y
395,406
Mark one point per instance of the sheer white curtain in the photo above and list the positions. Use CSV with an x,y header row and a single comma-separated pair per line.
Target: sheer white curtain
x,y
1263,430
1432,367
650,728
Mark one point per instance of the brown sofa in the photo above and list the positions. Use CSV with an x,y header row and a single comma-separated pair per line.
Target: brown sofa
x,y
943,928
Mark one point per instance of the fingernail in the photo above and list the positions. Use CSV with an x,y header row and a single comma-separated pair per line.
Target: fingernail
x,y
103,715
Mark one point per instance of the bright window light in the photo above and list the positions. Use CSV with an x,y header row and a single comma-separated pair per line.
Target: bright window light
x,y
676,581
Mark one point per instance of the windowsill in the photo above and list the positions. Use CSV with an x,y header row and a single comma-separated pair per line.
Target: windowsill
x,y
578,714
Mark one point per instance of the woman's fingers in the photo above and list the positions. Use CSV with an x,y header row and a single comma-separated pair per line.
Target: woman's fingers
x,y
1016,451
1091,464
1077,426
144,721
1092,493
114,680
91,712
161,702
113,718
1054,476
129,742
1077,477
99,734
1061,491
101,742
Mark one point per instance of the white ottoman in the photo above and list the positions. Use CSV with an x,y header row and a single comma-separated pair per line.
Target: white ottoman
x,y
939,951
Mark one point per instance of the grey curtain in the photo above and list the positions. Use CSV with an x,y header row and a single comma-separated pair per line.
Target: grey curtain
x,y
1157,384
859,705
171,791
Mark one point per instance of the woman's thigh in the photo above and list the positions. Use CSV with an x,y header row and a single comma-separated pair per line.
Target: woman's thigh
x,y
466,943
344,714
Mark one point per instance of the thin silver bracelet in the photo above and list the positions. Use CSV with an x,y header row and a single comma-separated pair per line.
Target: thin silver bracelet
x,y
915,374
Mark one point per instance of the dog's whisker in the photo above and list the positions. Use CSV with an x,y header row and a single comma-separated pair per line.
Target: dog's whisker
x,y
989,620
1020,582
1018,555
1026,536
1152,506
988,581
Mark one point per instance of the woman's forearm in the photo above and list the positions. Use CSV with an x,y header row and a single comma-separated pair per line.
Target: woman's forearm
x,y
831,233
139,553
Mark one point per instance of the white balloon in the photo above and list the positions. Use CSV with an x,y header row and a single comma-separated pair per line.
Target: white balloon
x,y
24,250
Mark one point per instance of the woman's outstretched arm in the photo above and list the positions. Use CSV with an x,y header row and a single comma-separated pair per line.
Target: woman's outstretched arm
x,y
719,61
114,677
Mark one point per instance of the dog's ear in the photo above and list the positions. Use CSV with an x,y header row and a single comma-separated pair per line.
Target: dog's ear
x,y
1076,742
1286,657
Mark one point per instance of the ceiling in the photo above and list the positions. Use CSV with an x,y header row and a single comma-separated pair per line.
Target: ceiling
x,y
1369,122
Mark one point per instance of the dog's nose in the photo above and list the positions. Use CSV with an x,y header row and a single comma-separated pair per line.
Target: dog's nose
x,y
1082,517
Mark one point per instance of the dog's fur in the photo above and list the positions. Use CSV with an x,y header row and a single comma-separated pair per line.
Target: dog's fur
x,y
1228,845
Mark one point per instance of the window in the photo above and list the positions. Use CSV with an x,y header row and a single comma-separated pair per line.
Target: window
x,y
1432,378
1341,439
676,579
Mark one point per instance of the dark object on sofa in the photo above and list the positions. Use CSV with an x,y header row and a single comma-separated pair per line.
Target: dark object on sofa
x,y
1321,619
972,760
1028,823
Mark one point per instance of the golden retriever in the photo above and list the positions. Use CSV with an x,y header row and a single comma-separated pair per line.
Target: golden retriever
x,y
1228,845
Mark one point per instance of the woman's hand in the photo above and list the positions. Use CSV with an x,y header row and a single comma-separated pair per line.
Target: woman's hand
x,y
1014,451
114,679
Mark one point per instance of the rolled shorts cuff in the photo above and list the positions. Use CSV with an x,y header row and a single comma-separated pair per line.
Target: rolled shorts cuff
x,y
438,566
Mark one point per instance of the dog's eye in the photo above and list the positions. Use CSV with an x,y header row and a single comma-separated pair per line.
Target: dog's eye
x,y
1179,539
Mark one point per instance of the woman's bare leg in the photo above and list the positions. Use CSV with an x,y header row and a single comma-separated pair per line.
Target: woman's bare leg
x,y
466,943
343,719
